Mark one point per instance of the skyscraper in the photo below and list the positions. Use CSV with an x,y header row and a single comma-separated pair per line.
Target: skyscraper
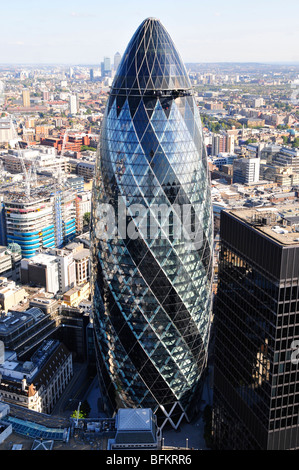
x,y
106,67
116,62
152,286
256,386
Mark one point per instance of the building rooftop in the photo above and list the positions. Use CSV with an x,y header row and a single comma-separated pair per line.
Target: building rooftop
x,y
14,319
134,419
82,254
279,222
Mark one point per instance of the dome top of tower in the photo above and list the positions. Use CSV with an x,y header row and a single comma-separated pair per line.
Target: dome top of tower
x,y
151,61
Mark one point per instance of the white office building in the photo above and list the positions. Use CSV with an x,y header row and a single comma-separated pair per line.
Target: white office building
x,y
246,170
73,104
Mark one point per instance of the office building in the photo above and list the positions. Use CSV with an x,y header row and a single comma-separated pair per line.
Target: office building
x,y
41,270
73,104
287,157
116,62
85,169
246,170
152,295
106,67
22,331
37,384
44,159
256,382
219,144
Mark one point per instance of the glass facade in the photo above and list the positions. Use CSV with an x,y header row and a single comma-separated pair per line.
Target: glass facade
x,y
256,386
152,289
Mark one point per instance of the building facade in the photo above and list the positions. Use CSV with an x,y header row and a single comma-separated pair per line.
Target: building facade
x,y
256,386
45,219
152,294
37,384
246,170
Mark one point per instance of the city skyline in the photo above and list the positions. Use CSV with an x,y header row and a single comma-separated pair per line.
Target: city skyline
x,y
68,33
149,227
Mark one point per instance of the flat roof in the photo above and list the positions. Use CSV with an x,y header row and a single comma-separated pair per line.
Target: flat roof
x,y
278,222
84,253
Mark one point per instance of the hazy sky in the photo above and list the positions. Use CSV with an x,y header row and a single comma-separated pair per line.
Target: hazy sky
x,y
84,31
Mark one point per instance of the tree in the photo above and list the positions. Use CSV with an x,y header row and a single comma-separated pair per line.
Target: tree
x,y
86,147
83,411
296,143
77,415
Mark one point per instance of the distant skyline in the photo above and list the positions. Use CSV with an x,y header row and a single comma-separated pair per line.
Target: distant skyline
x,y
76,32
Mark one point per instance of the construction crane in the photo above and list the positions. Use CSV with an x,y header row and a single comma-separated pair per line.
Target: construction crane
x,y
60,179
27,173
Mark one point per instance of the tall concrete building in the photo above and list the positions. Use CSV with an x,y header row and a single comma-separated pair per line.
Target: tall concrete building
x,y
152,284
106,67
26,98
73,104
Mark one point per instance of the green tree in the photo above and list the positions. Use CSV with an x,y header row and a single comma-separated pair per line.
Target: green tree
x,y
295,144
83,412
78,415
285,139
86,147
